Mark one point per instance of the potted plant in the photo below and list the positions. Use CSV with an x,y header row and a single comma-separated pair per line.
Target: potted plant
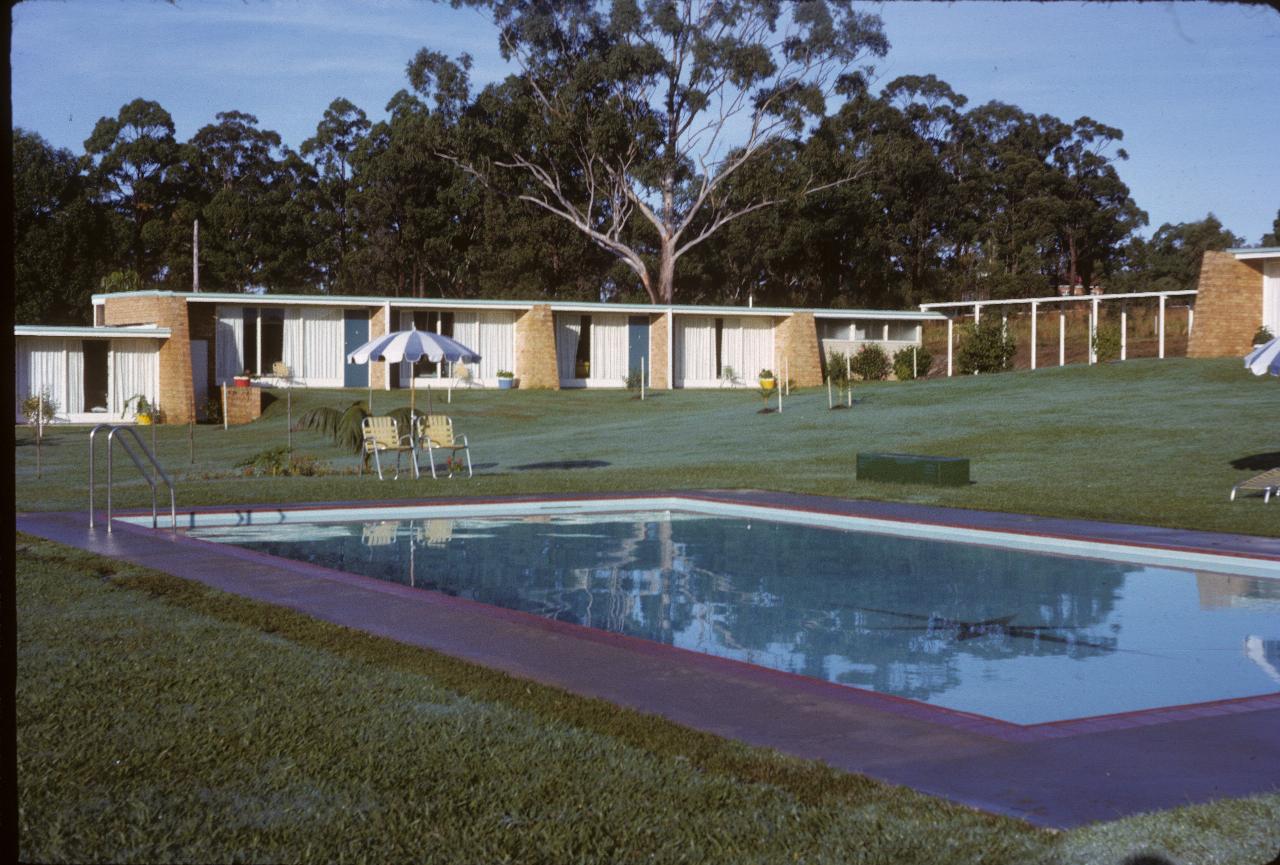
x,y
506,379
767,381
1263,336
243,379
143,411
582,369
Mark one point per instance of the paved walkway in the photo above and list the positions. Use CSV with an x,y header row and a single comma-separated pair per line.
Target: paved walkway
x,y
1061,774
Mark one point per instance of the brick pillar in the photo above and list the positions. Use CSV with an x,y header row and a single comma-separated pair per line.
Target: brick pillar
x,y
797,351
659,374
536,349
176,397
1228,306
379,375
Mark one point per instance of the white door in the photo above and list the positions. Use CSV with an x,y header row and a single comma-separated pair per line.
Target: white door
x,y
200,374
1271,296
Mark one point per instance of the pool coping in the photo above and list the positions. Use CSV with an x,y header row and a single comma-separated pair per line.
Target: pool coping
x,y
512,640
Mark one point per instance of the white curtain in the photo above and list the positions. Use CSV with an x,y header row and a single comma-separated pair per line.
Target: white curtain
x,y
495,342
134,369
490,334
609,359
75,377
294,354
42,365
695,351
568,332
229,352
322,346
748,346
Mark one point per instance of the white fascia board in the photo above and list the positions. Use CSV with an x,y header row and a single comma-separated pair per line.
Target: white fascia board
x,y
1258,253
73,332
1054,298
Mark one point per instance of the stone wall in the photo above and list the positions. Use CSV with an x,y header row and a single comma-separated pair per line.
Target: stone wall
x,y
536,349
379,375
796,350
1228,307
659,373
176,398
243,404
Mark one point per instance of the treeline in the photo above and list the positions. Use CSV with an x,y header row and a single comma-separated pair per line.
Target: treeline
x,y
943,202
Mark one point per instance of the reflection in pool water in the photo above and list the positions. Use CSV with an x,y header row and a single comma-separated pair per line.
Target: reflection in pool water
x,y
1026,637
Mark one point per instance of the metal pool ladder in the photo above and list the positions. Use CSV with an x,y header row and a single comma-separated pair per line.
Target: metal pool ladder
x,y
152,480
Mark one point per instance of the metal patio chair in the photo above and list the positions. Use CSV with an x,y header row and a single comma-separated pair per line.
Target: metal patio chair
x,y
435,432
382,435
1268,482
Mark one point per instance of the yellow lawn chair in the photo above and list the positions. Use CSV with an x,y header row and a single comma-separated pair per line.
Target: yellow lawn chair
x,y
435,432
382,434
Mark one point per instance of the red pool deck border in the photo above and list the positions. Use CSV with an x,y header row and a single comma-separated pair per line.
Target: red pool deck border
x,y
1058,773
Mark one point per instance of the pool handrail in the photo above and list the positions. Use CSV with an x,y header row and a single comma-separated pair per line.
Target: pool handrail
x,y
152,481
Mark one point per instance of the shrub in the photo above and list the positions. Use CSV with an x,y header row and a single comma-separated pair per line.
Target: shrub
x,y
213,410
40,407
985,347
1106,342
276,462
903,362
1264,334
633,380
838,368
871,363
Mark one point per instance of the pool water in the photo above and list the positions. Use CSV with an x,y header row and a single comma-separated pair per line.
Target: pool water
x,y
1026,637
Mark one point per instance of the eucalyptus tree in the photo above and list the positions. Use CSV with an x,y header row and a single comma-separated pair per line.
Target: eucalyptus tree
x,y
331,151
647,109
133,155
62,241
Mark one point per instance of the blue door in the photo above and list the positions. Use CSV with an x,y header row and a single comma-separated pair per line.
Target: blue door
x,y
638,345
355,323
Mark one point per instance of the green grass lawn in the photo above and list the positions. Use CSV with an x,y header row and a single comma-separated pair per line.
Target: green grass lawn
x,y
1144,441
162,721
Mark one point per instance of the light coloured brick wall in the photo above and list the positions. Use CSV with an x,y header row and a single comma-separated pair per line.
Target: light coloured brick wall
x,y
379,375
176,397
659,374
243,405
536,349
796,350
1228,307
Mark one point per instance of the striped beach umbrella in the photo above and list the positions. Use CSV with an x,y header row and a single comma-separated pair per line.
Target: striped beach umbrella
x,y
411,346
1264,359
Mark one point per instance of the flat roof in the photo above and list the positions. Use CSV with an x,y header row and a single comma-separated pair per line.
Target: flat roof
x,y
583,306
1256,252
76,332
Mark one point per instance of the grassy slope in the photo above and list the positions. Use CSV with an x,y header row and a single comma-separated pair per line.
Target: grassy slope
x,y
162,721
1143,441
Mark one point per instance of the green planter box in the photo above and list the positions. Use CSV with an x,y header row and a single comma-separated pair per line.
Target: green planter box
x,y
914,469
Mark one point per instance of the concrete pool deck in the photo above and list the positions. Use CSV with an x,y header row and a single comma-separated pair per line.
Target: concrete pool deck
x,y
1060,774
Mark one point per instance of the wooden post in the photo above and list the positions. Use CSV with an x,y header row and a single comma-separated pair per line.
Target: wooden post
x,y
1191,318
224,406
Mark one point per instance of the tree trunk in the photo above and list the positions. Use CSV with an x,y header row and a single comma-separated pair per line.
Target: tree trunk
x,y
666,272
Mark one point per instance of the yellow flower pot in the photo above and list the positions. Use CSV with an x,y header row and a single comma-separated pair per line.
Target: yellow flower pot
x,y
767,383
144,420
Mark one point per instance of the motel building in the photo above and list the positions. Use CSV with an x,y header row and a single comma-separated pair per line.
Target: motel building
x,y
178,349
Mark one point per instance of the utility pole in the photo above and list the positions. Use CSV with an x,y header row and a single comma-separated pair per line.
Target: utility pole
x,y
195,256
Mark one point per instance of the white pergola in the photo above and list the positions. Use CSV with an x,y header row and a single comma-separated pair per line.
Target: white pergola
x,y
1094,300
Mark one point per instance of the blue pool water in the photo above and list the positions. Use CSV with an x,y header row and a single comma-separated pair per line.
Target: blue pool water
x,y
1027,637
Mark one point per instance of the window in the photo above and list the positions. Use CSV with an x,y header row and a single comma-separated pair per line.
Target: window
x,y
263,338
719,348
433,322
582,361
250,353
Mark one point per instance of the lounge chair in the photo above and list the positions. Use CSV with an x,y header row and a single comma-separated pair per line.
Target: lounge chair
x,y
1268,482
382,434
435,432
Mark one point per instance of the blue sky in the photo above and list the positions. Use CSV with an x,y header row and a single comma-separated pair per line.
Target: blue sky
x,y
1192,85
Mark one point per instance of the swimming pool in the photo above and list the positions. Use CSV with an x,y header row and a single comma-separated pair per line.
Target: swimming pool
x,y
1021,628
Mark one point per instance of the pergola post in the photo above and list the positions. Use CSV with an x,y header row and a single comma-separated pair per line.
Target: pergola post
x,y
1124,331
1062,334
1093,330
1191,317
1034,306
1161,325
951,331
977,312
